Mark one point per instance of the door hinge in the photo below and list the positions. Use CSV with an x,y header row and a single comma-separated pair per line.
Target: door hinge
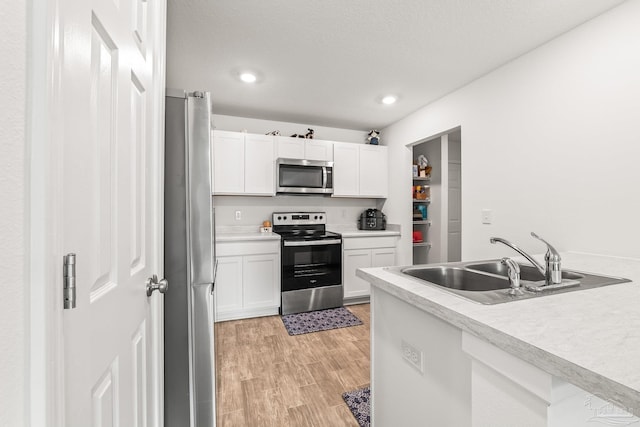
x,y
69,279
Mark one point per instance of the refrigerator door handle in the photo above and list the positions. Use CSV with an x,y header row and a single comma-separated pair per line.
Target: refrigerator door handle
x,y
215,274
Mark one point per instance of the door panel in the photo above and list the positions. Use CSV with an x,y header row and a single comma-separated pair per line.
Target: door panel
x,y
353,260
455,213
111,156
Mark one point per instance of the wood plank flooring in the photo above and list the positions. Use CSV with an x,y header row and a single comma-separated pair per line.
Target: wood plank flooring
x,y
267,378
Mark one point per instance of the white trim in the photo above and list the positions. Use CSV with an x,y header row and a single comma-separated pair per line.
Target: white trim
x,y
246,313
45,390
157,303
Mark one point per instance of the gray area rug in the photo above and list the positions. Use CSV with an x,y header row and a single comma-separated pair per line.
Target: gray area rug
x,y
358,402
321,320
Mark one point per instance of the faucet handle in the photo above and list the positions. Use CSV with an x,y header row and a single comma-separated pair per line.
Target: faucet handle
x,y
552,254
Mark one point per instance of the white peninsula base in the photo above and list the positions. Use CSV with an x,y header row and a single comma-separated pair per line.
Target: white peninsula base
x,y
427,372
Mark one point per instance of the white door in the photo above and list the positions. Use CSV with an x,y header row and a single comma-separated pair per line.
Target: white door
x,y
228,162
261,287
346,169
259,166
454,247
374,166
111,101
354,259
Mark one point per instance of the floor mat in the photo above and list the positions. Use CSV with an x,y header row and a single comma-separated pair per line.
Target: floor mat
x,y
358,402
321,320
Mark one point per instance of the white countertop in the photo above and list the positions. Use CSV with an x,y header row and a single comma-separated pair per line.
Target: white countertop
x,y
349,230
243,233
590,338
369,233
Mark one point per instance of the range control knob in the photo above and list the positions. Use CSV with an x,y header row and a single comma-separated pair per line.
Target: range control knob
x,y
315,217
279,218
320,216
284,217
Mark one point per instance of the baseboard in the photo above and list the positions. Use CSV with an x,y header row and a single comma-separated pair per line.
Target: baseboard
x,y
246,314
357,300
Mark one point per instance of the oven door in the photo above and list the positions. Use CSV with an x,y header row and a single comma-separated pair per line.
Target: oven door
x,y
311,263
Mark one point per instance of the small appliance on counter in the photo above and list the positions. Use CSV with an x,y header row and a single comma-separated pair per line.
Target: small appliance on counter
x,y
372,219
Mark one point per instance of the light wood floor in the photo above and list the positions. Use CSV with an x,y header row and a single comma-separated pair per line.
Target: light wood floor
x,y
267,378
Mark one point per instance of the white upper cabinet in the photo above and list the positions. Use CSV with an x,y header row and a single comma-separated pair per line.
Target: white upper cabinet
x,y
374,164
228,162
259,166
360,170
243,163
318,150
346,170
290,148
301,148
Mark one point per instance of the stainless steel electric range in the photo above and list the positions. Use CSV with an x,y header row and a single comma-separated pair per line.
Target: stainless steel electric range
x,y
311,262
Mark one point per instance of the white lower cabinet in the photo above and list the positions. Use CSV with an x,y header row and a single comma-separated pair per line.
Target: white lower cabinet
x,y
247,280
364,252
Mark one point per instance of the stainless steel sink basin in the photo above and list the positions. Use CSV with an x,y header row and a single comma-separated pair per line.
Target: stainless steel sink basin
x,y
527,272
486,282
458,278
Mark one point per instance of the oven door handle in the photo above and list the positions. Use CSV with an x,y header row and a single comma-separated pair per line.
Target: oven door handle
x,y
312,242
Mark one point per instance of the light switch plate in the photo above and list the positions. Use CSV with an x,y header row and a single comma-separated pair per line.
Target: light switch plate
x,y
487,216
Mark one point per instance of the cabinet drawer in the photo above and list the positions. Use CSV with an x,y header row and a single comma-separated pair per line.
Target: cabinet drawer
x,y
369,242
247,248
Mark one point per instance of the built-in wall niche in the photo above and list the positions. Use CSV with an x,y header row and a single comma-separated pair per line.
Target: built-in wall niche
x,y
437,199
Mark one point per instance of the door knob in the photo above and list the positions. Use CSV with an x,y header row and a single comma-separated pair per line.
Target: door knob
x,y
153,285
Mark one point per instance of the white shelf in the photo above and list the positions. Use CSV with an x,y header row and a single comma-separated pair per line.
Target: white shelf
x,y
427,200
424,221
422,245
422,178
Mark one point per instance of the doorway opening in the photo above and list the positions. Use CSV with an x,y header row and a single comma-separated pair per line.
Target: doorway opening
x,y
437,198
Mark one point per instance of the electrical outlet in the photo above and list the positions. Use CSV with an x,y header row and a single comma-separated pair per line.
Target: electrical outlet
x,y
238,215
412,355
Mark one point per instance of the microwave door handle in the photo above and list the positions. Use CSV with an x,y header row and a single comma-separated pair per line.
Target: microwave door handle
x,y
324,177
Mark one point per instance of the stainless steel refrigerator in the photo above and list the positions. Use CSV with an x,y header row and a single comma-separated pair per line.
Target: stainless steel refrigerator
x,y
189,361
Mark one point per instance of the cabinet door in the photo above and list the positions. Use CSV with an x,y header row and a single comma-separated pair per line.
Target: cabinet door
x,y
290,148
228,162
352,260
346,175
374,166
383,257
261,281
229,285
259,166
318,150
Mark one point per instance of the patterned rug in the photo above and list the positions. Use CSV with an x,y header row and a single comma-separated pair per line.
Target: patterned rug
x,y
358,403
321,320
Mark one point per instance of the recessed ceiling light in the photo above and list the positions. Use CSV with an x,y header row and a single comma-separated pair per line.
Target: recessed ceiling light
x,y
389,99
248,77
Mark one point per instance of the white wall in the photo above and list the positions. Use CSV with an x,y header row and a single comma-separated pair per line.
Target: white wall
x,y
238,124
550,143
13,33
254,210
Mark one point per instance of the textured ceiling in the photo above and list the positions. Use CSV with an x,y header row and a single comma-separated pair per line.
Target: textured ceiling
x,y
328,62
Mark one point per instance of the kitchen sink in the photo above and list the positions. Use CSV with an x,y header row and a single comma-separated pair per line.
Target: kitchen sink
x,y
527,272
458,278
486,282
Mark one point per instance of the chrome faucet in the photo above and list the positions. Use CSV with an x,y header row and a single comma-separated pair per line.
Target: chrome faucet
x,y
513,273
552,271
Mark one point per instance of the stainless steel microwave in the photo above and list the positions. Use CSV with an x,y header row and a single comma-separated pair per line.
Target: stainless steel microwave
x,y
304,176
